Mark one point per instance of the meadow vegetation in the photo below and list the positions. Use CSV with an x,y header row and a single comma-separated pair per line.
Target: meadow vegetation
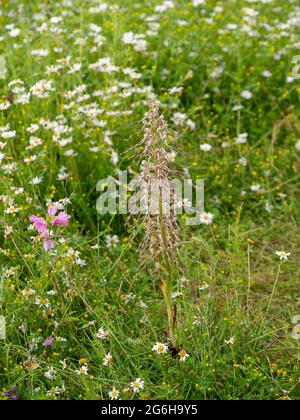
x,y
85,317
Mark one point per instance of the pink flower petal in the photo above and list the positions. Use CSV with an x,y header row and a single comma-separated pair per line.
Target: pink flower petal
x,y
48,244
39,223
52,211
61,219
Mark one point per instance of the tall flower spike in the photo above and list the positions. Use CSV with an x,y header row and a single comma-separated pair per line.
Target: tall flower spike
x,y
162,239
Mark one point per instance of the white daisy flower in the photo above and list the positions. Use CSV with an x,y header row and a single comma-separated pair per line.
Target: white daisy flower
x,y
137,385
183,355
246,94
160,348
107,359
114,394
284,256
206,218
83,370
102,334
205,147
242,138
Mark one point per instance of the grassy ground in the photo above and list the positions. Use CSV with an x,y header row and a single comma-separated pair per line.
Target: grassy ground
x,y
231,63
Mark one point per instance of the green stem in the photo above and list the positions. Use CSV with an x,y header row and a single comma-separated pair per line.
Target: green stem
x,y
166,285
166,289
271,298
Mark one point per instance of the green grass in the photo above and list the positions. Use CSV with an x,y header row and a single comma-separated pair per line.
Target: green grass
x,y
228,270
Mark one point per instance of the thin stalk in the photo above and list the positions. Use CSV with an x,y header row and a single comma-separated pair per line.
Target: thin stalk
x,y
166,285
271,298
249,281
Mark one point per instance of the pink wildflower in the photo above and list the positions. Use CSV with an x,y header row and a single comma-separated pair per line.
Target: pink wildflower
x,y
52,211
49,341
61,219
39,223
48,244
